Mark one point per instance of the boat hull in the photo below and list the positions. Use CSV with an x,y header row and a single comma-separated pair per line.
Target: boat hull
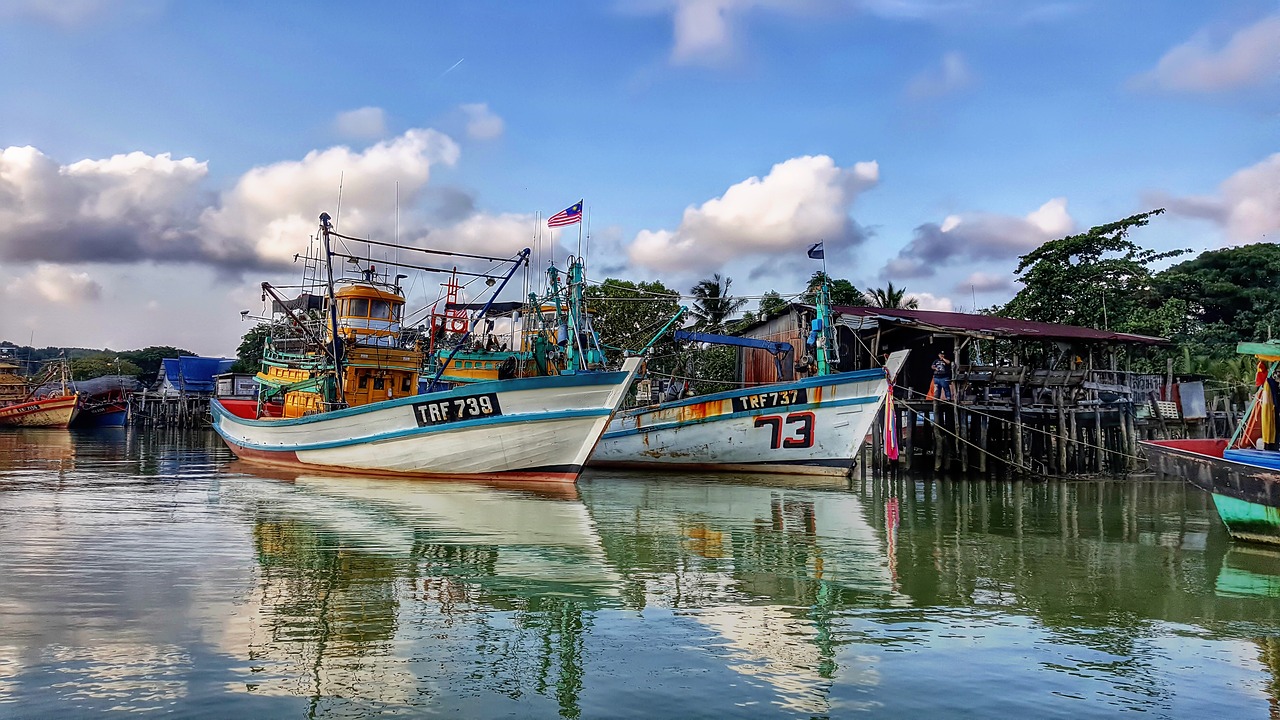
x,y
814,426
1246,495
56,412
543,430
114,415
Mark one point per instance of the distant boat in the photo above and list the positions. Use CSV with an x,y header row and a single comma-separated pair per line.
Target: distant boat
x,y
1243,477
104,401
814,425
55,407
350,399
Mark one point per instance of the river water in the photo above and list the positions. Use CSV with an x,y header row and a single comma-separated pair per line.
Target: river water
x,y
152,573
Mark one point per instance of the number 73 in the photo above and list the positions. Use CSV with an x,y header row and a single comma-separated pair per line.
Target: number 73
x,y
802,436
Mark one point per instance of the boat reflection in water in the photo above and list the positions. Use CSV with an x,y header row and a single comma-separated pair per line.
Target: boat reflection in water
x,y
351,566
149,575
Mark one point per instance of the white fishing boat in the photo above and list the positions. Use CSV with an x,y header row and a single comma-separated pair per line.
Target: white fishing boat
x,y
813,426
351,400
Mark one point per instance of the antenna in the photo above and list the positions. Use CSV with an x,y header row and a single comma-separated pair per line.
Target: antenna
x,y
337,213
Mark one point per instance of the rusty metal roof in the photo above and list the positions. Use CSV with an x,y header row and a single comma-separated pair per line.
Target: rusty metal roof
x,y
963,323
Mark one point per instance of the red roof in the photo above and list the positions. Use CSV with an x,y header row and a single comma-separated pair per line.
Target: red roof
x,y
991,325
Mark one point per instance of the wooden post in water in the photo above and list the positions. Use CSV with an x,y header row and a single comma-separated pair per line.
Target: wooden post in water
x,y
1017,428
1061,431
937,438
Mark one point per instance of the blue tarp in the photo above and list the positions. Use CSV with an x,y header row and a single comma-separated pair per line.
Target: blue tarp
x,y
191,374
1269,459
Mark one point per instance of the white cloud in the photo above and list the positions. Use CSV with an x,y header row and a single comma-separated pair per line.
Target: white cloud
x,y
54,284
929,301
138,207
978,236
801,201
365,123
482,123
951,75
1250,57
272,210
123,208
1247,206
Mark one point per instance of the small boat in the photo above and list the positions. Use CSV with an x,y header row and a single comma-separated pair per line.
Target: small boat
x,y
104,401
1242,472
351,399
814,425
54,407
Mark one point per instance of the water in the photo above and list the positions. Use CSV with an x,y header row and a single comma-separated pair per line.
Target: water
x,y
154,574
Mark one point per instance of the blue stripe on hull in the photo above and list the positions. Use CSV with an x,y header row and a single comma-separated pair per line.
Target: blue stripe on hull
x,y
220,414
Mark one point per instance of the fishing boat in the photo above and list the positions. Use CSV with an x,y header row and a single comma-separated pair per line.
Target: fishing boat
x,y
53,407
1242,472
812,425
351,398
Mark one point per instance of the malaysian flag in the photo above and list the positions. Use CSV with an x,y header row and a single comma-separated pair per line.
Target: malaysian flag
x,y
567,216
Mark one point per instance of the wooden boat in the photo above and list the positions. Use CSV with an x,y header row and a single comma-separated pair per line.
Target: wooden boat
x,y
351,402
50,408
814,425
104,401
1243,478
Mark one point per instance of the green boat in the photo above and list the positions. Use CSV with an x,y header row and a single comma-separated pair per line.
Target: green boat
x,y
1242,472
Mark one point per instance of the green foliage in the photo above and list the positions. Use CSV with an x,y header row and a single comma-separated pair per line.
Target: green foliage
x,y
628,314
86,368
891,297
1231,295
249,353
716,368
843,292
148,359
713,306
1098,279
771,303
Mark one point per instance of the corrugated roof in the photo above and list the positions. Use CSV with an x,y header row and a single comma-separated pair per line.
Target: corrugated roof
x,y
998,326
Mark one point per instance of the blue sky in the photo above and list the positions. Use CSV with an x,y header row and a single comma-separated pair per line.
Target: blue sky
x,y
160,159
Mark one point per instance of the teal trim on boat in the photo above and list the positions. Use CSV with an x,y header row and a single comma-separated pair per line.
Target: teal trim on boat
x,y
1249,521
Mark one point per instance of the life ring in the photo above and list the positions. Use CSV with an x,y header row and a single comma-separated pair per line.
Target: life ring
x,y
457,324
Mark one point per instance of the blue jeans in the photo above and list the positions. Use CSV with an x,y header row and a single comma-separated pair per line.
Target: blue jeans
x,y
941,386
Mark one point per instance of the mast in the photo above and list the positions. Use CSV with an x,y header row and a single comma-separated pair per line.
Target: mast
x,y
824,322
334,340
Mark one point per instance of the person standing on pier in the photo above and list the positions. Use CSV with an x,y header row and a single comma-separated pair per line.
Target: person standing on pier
x,y
942,376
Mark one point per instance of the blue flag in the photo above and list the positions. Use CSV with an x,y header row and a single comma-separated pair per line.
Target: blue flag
x,y
816,252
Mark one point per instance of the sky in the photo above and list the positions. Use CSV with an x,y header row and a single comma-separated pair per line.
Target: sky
x,y
159,160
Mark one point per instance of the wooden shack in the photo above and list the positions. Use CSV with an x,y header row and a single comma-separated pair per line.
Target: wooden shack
x,y
1032,397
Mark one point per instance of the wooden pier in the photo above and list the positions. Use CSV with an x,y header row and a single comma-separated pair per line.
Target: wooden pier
x,y
156,410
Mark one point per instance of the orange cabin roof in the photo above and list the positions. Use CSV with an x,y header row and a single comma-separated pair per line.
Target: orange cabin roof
x,y
366,291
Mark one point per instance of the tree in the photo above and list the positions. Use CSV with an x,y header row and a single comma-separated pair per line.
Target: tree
x,y
627,314
1227,296
892,297
249,353
771,303
843,292
1097,279
86,368
712,303
148,359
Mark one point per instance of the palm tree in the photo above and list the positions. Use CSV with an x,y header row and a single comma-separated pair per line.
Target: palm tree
x,y
712,303
892,297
